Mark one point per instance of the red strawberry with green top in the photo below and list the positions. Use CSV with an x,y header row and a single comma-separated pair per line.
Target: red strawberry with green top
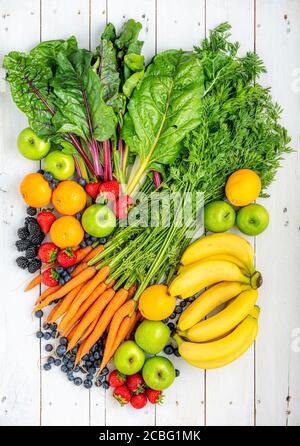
x,y
121,206
45,220
154,396
67,257
122,395
138,401
116,379
48,252
135,383
108,191
92,189
50,277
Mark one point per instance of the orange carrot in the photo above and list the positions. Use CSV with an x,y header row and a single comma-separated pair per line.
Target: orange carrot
x,y
118,300
93,253
134,321
132,290
54,309
47,293
65,303
82,253
93,312
79,268
117,319
34,282
84,276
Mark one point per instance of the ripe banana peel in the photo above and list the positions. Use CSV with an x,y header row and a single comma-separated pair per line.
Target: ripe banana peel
x,y
205,274
223,351
220,244
224,321
226,257
209,300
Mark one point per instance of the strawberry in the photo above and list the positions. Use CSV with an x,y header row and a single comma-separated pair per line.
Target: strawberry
x,y
48,252
92,189
50,277
121,206
154,396
108,191
122,395
67,257
138,401
45,220
135,383
116,379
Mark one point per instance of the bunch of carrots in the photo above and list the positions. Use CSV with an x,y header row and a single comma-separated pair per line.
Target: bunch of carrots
x,y
89,304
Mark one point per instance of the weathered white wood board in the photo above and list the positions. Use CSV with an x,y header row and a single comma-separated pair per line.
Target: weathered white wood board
x,y
261,388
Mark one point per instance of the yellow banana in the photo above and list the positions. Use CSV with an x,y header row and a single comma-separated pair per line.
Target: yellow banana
x,y
204,274
219,244
226,257
225,320
231,346
208,301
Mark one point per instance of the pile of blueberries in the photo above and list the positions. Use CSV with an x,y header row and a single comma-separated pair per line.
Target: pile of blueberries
x,y
50,178
30,238
170,349
64,274
88,239
83,374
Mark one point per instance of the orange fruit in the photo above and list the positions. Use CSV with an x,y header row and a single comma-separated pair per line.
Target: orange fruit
x,y
69,198
156,304
66,231
35,190
243,187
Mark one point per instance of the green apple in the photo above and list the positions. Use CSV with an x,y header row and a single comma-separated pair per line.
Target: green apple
x,y
60,164
158,373
129,358
252,219
31,146
152,336
219,216
98,220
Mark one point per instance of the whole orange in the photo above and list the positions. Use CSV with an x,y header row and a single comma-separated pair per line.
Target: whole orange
x,y
69,198
66,231
243,187
35,190
156,304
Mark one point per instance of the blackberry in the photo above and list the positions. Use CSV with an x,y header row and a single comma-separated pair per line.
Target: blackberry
x,y
31,211
33,228
34,265
31,252
29,220
37,239
23,233
22,262
22,245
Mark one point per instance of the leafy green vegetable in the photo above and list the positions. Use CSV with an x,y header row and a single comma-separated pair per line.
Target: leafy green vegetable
x,y
109,74
132,82
165,106
46,52
129,34
134,61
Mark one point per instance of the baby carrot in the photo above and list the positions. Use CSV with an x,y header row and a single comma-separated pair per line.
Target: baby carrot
x,y
65,303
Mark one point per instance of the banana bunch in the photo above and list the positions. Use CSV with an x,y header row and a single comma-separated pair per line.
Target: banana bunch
x,y
225,264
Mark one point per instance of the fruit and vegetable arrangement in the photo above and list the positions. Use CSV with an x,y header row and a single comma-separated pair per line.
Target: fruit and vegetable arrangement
x,y
124,285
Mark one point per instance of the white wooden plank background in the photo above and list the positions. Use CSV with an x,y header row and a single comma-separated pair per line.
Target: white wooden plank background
x,y
263,387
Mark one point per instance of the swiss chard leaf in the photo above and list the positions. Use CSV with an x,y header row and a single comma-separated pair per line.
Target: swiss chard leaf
x,y
129,34
166,105
109,33
46,52
134,61
109,74
132,82
80,107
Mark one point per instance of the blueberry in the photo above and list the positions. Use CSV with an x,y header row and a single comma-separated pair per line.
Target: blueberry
x,y
105,385
105,371
171,326
63,340
61,350
85,357
82,245
74,350
48,347
177,373
191,299
78,215
57,362
89,242
67,277
39,334
88,363
82,370
46,326
97,363
176,353
89,376
94,348
102,240
76,368
47,366
72,358
96,355
168,350
64,368
91,358
86,236
82,181
183,304
47,335
40,171
64,273
53,185
61,281
94,239
39,314
48,176
165,321
87,383
53,334
92,370
173,316
59,269
70,376
65,360
77,381
70,269
70,365
53,326
178,309
50,360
